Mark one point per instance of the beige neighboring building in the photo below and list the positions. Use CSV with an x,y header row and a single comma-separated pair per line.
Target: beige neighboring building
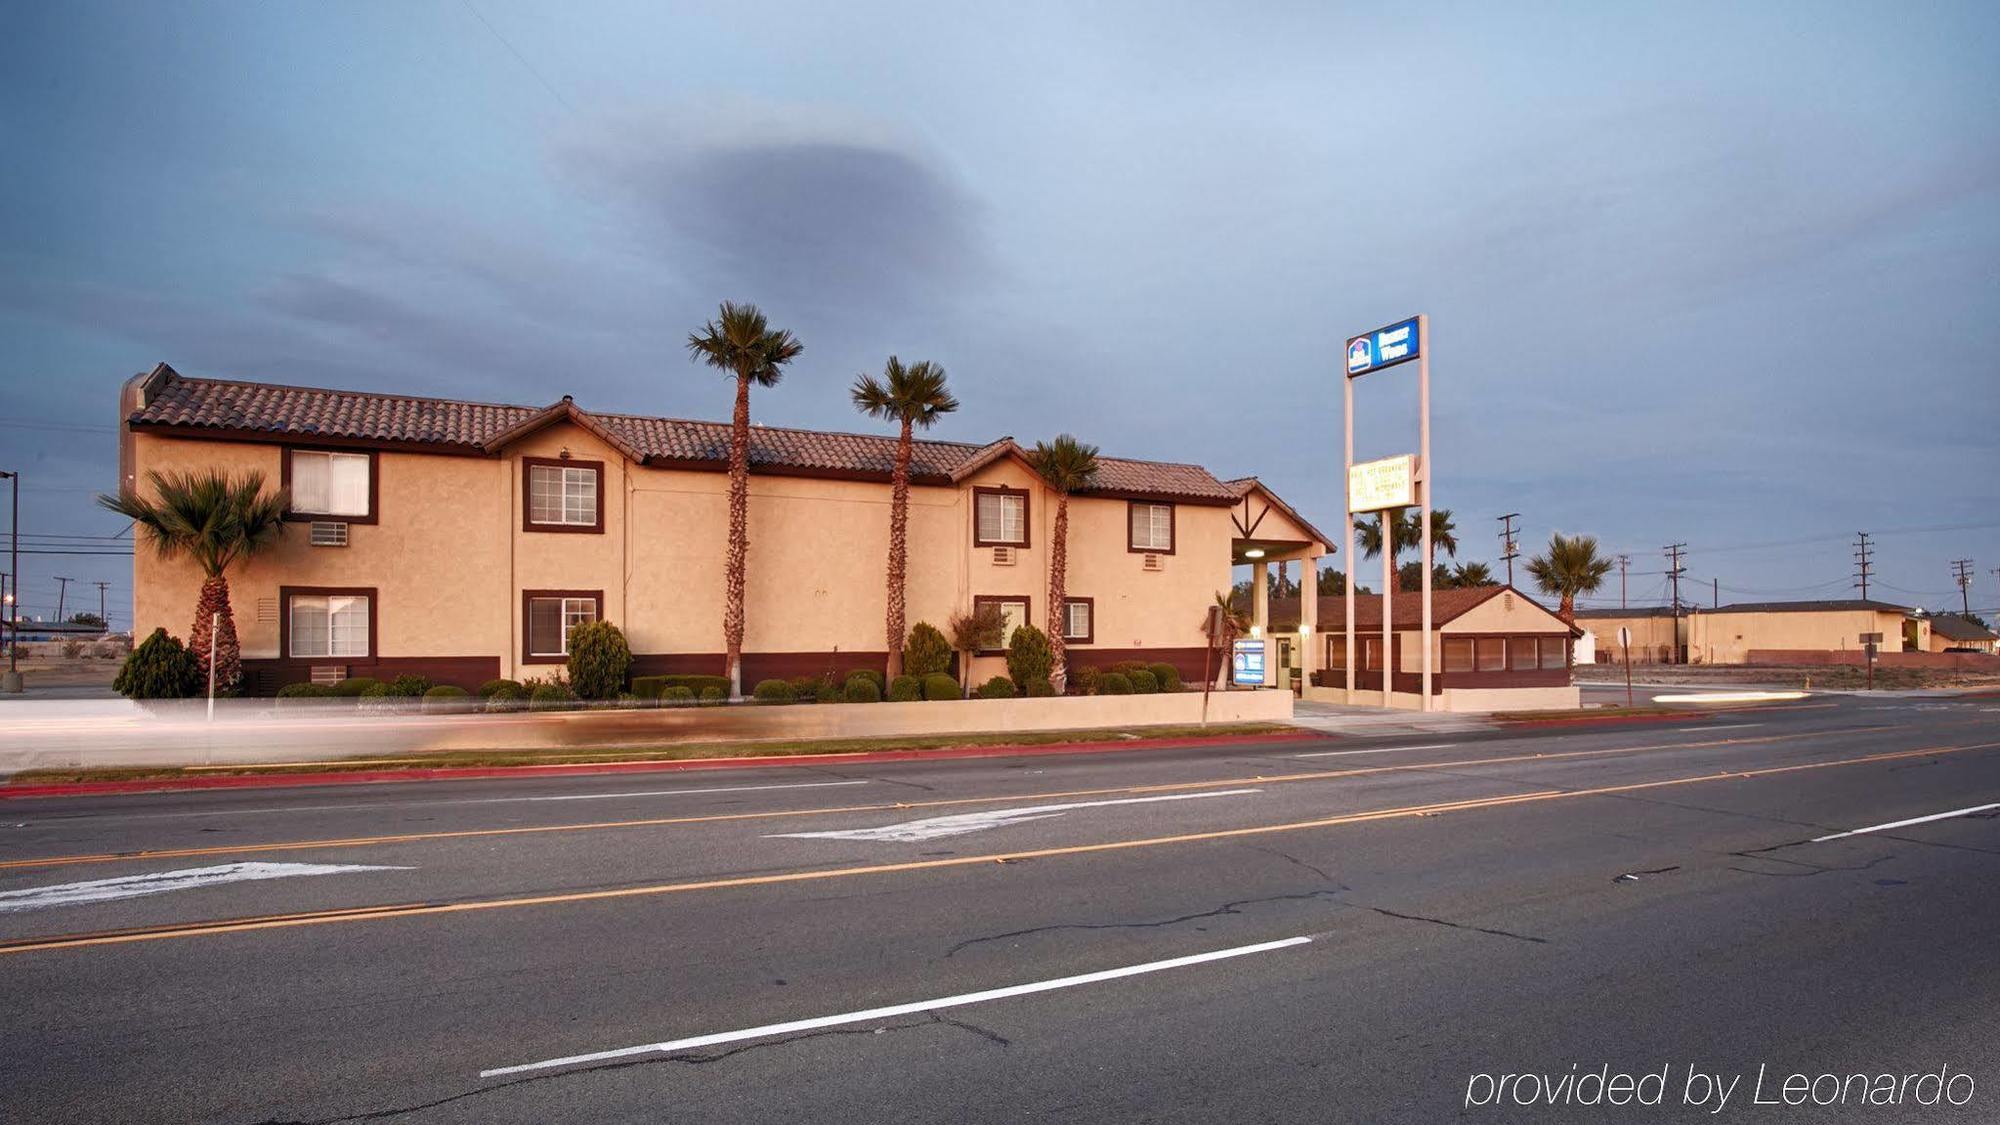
x,y
1493,649
1950,632
1652,629
1757,632
460,540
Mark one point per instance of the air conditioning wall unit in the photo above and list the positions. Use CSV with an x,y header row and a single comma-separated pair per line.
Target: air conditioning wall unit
x,y
1153,562
328,673
1003,556
328,533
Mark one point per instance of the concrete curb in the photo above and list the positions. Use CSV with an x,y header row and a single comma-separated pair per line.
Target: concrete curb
x,y
583,769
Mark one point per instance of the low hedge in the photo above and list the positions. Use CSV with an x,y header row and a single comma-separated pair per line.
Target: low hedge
x,y
1168,676
905,689
447,697
1144,682
774,691
999,687
1114,683
408,687
491,688
862,689
551,696
677,695
826,691
939,686
649,687
1083,680
713,694
306,691
869,674
509,696
354,686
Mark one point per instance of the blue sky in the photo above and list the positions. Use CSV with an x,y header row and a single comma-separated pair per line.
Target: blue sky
x,y
1699,273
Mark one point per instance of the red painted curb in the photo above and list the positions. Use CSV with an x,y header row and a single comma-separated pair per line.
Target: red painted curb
x,y
469,773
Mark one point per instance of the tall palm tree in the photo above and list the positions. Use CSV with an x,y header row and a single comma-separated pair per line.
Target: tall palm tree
x,y
1235,622
1571,566
1067,465
910,396
217,520
1408,533
741,343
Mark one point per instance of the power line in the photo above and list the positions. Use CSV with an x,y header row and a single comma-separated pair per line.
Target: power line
x,y
525,64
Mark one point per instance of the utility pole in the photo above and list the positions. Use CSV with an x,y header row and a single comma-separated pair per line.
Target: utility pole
x,y
1624,564
1864,554
1961,569
1674,572
12,682
100,605
60,591
1715,597
1508,548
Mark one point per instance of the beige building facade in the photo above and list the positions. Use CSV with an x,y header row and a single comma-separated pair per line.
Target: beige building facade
x,y
460,540
1755,632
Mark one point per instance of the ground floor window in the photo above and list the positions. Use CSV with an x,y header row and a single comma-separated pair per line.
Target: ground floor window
x,y
1078,622
1013,611
1555,652
1458,654
550,615
328,623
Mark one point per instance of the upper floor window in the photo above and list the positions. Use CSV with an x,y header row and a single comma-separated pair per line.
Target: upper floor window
x,y
328,484
329,624
563,495
1152,528
1000,517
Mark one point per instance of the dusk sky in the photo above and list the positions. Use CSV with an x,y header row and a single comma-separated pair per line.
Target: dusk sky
x,y
1696,272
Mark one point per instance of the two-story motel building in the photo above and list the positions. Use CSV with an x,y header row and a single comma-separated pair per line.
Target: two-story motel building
x,y
460,540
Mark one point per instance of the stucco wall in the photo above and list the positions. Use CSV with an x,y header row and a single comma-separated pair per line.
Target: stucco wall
x,y
1728,638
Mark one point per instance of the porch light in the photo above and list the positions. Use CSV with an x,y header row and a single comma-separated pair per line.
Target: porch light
x,y
1254,553
1305,629
1256,632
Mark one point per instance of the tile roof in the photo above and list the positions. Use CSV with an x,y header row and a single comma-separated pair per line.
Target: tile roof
x,y
1446,605
310,412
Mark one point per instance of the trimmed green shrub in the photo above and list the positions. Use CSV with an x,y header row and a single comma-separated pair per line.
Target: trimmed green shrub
x,y
927,652
1127,667
862,689
999,687
1083,680
551,695
869,674
160,668
938,686
379,697
509,696
447,697
306,691
646,687
599,659
1029,658
409,687
713,694
905,689
1041,689
1168,676
488,689
1144,682
354,686
677,695
826,691
774,691
1114,683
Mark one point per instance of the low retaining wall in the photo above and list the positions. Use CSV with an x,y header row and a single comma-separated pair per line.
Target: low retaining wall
x,y
1473,701
1815,657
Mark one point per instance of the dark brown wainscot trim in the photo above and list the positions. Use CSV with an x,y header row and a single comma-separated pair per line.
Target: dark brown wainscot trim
x,y
528,464
265,677
374,483
1087,638
1173,527
1027,516
1189,662
1027,614
285,595
528,597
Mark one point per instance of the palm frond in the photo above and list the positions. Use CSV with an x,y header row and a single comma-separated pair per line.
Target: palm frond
x,y
214,518
913,393
1067,464
741,342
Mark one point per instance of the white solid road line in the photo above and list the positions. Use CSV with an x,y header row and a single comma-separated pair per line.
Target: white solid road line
x,y
894,1010
958,824
134,886
1383,750
1907,823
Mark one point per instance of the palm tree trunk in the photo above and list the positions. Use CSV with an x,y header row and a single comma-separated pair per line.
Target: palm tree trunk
x,y
899,549
1566,609
1058,586
219,645
739,536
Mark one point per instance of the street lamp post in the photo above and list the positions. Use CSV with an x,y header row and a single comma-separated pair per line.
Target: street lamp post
x,y
11,681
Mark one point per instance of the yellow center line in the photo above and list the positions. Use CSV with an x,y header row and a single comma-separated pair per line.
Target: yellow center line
x,y
369,914
719,818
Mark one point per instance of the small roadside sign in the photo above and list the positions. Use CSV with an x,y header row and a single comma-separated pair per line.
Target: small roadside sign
x,y
1624,637
1871,638
1246,663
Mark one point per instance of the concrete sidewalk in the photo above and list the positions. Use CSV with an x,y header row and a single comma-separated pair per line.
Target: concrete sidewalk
x,y
1383,722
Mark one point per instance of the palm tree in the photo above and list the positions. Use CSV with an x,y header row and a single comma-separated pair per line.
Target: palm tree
x,y
1067,465
982,629
911,396
1471,574
1234,623
217,520
1570,567
1408,533
741,343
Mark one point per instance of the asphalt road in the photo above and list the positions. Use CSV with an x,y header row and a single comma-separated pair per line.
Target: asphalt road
x,y
1334,930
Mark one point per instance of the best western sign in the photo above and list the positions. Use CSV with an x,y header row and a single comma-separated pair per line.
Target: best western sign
x,y
1384,347
1388,483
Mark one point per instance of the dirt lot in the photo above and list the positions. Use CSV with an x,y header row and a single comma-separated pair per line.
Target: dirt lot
x,y
1825,676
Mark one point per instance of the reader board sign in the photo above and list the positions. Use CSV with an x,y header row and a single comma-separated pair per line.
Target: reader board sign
x,y
1384,347
1246,664
1388,483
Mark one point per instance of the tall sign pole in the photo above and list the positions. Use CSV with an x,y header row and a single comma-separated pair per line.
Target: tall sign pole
x,y
1347,526
1389,486
1388,615
1424,460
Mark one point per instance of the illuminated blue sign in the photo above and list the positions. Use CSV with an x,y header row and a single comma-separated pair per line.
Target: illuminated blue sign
x,y
1246,664
1384,347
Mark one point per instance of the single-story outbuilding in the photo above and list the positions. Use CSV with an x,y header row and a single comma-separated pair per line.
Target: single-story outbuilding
x,y
1756,632
1951,632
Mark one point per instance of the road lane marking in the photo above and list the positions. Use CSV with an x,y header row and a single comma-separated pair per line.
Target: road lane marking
x,y
1907,823
161,882
1721,726
286,809
892,1011
770,814
1383,750
960,824
202,929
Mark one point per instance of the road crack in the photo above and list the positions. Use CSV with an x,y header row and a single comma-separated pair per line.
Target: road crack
x,y
1388,913
1224,910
